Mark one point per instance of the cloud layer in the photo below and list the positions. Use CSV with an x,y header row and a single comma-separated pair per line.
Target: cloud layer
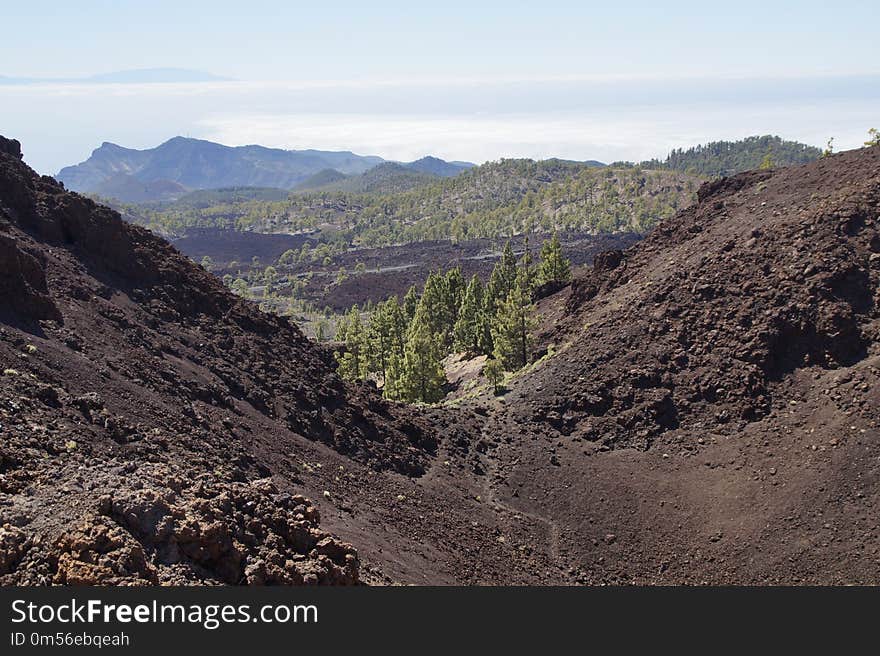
x,y
473,119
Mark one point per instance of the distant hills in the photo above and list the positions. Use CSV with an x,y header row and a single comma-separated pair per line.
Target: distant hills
x,y
113,171
385,178
204,198
394,203
322,178
510,196
179,165
137,76
132,190
435,166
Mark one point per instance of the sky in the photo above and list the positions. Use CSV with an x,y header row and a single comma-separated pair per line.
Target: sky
x,y
460,80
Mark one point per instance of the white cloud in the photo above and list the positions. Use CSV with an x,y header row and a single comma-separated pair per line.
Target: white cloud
x,y
632,133
458,118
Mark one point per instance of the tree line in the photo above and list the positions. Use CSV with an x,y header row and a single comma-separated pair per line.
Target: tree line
x,y
402,343
721,158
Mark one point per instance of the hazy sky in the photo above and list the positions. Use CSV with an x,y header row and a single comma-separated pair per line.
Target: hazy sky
x,y
463,80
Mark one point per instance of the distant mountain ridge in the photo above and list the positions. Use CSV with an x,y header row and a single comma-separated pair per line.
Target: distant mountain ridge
x,y
199,164
320,179
438,167
181,164
384,178
387,177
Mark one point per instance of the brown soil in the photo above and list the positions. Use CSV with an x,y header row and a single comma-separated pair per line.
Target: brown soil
x,y
708,413
711,414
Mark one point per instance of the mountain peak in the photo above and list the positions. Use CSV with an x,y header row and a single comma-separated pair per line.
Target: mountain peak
x,y
201,164
436,166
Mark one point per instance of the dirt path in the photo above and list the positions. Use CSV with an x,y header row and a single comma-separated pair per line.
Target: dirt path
x,y
551,526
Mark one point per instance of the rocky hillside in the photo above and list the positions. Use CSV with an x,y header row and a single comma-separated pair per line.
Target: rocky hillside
x,y
738,293
709,410
158,429
140,403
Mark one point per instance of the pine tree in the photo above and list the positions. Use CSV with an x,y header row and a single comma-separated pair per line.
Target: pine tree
x,y
379,336
454,291
240,287
432,300
502,280
494,373
873,137
829,148
441,298
512,328
422,377
470,318
351,362
485,342
553,267
527,268
393,387
410,302
387,334
270,275
398,324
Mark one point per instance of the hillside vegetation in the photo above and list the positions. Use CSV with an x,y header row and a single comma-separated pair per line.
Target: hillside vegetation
x,y
723,158
497,198
210,197
394,204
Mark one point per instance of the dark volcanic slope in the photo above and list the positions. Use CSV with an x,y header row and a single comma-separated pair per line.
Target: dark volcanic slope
x,y
708,414
124,363
712,410
144,410
768,274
